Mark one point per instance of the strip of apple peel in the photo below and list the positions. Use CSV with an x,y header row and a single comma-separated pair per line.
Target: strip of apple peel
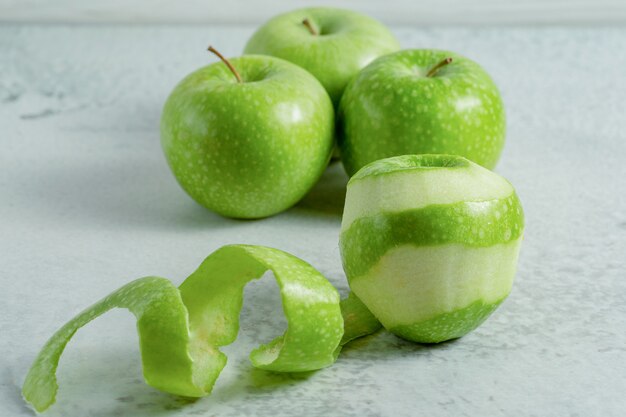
x,y
181,329
358,321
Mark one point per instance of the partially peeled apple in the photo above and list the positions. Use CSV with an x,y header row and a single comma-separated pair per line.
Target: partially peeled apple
x,y
430,243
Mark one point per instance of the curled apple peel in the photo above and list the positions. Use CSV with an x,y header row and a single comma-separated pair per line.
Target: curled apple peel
x,y
181,329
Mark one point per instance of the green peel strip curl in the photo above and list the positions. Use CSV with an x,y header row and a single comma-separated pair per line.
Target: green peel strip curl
x,y
181,329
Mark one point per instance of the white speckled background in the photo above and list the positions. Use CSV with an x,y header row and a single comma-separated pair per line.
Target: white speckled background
x,y
87,203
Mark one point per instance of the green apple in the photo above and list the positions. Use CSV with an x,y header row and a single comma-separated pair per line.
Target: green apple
x,y
250,138
419,102
332,44
429,243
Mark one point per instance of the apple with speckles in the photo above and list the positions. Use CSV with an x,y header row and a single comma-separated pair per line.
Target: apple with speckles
x,y
430,243
332,44
248,137
421,101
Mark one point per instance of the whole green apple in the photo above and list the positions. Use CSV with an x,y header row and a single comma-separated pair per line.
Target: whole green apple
x,y
250,138
429,243
332,44
418,102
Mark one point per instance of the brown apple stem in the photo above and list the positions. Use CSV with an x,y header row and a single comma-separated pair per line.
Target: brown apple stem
x,y
437,67
227,62
306,22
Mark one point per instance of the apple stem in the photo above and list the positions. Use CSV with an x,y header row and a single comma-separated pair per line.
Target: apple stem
x,y
227,62
437,67
306,22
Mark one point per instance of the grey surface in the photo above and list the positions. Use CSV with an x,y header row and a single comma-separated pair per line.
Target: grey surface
x,y
411,12
87,203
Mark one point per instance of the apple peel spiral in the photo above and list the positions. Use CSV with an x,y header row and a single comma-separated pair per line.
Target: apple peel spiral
x,y
181,329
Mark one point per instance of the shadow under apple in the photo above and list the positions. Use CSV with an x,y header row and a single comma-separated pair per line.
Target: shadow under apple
x,y
329,194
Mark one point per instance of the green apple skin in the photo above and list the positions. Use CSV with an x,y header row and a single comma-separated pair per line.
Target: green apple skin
x,y
249,149
392,108
430,243
346,42
181,330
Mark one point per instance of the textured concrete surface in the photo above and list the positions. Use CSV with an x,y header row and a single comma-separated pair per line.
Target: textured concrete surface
x,y
87,203
410,12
